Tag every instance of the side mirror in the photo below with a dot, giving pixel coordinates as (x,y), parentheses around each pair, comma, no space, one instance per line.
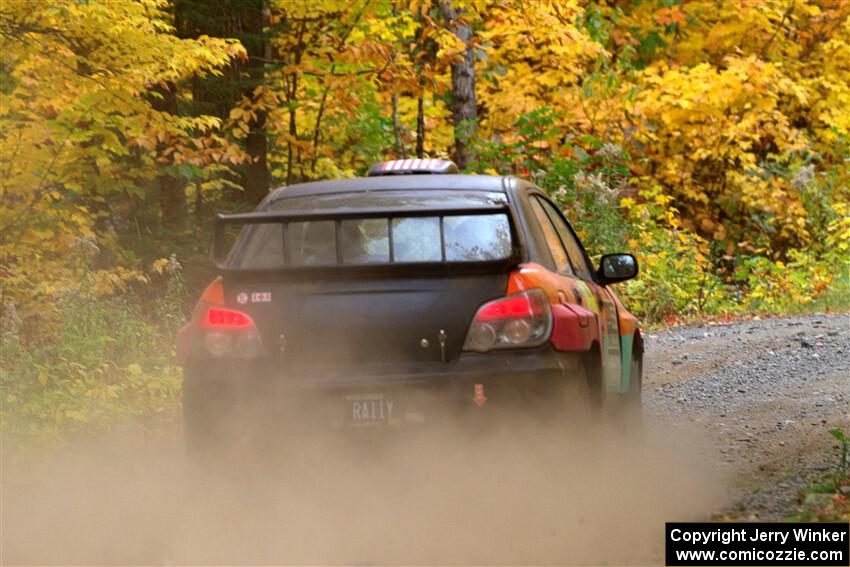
(615,268)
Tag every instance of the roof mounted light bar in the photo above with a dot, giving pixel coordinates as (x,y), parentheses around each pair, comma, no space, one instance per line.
(412,166)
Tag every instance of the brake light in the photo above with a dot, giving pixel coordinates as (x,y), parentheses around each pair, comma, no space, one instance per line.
(227,331)
(220,318)
(514,306)
(521,320)
(230,331)
(221,331)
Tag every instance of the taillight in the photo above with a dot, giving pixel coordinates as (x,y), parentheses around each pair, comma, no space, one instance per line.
(227,332)
(224,332)
(221,318)
(520,320)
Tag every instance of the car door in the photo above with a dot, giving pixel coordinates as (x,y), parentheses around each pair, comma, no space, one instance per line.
(585,290)
(571,289)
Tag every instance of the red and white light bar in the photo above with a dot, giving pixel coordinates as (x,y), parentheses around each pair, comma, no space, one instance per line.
(412,166)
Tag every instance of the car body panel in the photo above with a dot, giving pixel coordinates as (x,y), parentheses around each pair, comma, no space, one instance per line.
(563,289)
(344,321)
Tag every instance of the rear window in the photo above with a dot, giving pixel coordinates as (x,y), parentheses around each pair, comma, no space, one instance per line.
(455,237)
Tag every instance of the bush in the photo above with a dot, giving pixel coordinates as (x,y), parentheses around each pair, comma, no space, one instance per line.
(102,361)
(682,274)
(676,277)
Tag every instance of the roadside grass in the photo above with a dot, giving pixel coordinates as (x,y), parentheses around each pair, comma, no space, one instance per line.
(108,366)
(107,360)
(827,499)
(708,319)
(834,300)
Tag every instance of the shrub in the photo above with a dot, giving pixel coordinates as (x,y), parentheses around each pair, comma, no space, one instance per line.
(104,361)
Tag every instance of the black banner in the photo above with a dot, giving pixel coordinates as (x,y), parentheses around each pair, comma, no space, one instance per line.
(750,543)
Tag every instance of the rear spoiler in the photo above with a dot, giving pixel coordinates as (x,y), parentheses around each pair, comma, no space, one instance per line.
(218,252)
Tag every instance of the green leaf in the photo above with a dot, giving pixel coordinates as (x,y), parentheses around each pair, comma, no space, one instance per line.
(840,435)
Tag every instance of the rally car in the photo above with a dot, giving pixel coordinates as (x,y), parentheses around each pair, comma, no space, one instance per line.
(403,297)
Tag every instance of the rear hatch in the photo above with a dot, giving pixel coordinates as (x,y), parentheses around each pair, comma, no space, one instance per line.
(351,285)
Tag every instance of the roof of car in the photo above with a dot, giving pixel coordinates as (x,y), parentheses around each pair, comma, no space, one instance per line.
(491,183)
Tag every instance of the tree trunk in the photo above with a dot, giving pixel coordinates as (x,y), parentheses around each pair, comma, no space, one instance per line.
(420,125)
(464,113)
(291,90)
(246,21)
(399,145)
(172,190)
(293,135)
(255,177)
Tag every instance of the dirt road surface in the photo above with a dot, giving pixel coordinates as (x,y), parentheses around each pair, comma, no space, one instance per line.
(737,420)
(766,393)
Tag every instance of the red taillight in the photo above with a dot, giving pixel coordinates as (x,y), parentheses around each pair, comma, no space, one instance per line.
(221,318)
(227,332)
(520,305)
(218,332)
(521,320)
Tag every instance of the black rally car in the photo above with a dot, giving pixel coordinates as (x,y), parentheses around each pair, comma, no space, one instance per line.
(381,300)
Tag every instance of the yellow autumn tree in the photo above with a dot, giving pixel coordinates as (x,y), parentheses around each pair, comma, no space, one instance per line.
(81,139)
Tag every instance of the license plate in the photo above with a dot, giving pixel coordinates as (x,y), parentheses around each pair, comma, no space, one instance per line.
(372,409)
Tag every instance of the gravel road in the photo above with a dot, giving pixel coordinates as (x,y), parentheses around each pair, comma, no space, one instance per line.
(765,392)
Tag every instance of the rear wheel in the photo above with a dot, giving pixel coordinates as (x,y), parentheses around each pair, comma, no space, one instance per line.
(636,379)
(634,405)
(592,361)
(575,399)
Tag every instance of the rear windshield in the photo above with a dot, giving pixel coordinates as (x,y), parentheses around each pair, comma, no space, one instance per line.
(376,240)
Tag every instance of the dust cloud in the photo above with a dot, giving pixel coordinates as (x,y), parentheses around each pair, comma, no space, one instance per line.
(514,493)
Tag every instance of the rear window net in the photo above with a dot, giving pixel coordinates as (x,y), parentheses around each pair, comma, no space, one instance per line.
(280,240)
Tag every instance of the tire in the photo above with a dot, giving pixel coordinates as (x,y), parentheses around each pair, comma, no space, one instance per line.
(576,401)
(592,363)
(636,379)
(634,405)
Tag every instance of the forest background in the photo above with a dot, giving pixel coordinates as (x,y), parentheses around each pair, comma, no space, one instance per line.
(710,138)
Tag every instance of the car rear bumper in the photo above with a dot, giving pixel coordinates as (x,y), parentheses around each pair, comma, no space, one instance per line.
(475,382)
(469,366)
